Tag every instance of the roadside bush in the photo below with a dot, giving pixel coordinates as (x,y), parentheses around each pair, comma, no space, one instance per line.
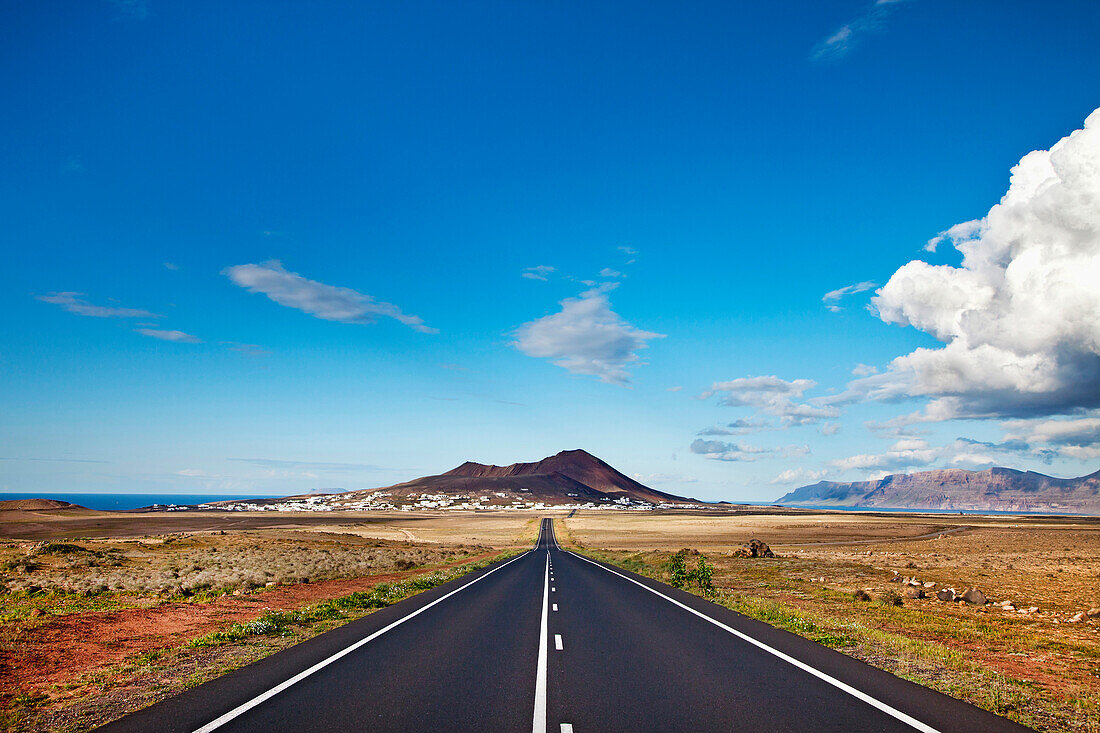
(677,570)
(703,575)
(59,548)
(681,577)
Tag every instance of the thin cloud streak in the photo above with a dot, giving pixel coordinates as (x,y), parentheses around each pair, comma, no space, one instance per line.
(74,303)
(327,302)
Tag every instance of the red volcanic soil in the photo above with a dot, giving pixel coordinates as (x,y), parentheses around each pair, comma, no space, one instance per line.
(70,646)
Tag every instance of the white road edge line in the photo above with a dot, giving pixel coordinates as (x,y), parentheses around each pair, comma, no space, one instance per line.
(893,712)
(264,697)
(538,724)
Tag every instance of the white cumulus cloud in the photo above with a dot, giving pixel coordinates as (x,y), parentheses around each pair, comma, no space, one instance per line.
(1020,317)
(327,302)
(586,337)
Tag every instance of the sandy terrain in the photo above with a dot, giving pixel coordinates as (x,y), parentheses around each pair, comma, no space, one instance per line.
(497,528)
(1038,662)
(110,592)
(74,614)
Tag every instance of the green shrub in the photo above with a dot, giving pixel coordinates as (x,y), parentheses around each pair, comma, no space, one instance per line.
(677,570)
(704,574)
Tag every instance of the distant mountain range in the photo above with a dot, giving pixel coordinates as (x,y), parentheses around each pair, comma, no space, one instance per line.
(997,489)
(569,477)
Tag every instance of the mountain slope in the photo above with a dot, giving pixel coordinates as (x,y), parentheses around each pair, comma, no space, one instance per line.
(578,465)
(998,489)
(569,477)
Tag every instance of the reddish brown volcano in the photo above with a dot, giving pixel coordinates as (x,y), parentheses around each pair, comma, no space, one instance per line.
(572,476)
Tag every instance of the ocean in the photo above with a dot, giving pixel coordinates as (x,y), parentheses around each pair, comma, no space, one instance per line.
(826,507)
(118,502)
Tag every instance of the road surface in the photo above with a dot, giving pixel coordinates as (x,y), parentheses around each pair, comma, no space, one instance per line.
(552,641)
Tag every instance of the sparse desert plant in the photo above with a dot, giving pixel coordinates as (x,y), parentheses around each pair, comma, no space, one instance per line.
(677,570)
(704,574)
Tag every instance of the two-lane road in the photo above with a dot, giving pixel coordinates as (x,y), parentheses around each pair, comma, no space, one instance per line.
(553,641)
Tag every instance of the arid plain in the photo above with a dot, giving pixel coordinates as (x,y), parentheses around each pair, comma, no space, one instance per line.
(106,612)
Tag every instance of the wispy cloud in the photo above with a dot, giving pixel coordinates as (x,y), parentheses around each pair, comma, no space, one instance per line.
(54,460)
(720,450)
(306,465)
(773,396)
(169,335)
(609,273)
(171,266)
(956,235)
(798,476)
(844,38)
(741,426)
(74,303)
(586,337)
(914,453)
(254,350)
(327,302)
(538,272)
(832,298)
(136,9)
(1077,438)
(664,478)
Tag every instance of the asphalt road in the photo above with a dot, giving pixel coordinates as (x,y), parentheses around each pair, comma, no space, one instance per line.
(553,641)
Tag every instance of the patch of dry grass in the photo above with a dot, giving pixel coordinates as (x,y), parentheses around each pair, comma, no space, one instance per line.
(195,564)
(92,699)
(1035,668)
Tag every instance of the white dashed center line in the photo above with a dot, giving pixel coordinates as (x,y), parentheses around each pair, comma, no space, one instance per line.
(555,607)
(557,642)
(566,728)
(539,720)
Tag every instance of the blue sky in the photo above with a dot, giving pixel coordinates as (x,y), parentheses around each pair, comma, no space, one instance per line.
(271,247)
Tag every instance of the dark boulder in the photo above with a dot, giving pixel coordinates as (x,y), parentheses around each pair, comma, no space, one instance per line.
(753,548)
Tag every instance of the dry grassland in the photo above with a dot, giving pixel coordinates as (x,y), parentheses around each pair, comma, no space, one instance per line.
(1038,668)
(91,627)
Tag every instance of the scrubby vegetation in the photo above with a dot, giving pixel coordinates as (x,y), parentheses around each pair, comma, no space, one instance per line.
(680,577)
(201,566)
(382,595)
(947,648)
(92,695)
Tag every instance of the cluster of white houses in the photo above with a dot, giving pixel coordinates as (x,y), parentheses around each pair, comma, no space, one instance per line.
(380,500)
